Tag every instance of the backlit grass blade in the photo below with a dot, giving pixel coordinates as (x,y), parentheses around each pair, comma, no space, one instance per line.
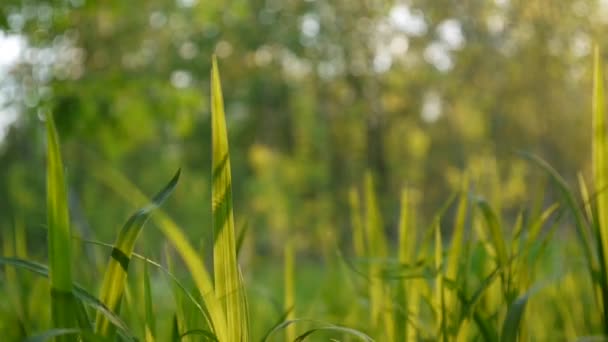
(377,249)
(600,175)
(228,285)
(116,272)
(289,288)
(59,237)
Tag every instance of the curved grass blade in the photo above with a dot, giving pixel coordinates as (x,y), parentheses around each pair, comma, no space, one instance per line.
(168,273)
(208,336)
(323,327)
(50,334)
(54,333)
(212,307)
(116,273)
(78,291)
(228,284)
(280,321)
(579,218)
(63,307)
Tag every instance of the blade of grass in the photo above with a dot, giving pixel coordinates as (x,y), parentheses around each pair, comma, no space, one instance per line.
(228,283)
(600,175)
(113,285)
(323,327)
(377,248)
(289,305)
(176,237)
(59,237)
(150,328)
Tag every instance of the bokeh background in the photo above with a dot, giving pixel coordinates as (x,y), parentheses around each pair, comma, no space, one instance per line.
(317,92)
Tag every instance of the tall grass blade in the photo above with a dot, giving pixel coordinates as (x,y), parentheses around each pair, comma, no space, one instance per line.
(228,283)
(600,175)
(377,249)
(290,298)
(59,237)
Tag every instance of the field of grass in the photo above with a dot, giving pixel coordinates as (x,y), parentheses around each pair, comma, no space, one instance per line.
(537,275)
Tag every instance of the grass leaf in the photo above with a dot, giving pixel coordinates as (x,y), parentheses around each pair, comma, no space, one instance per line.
(228,283)
(116,272)
(63,307)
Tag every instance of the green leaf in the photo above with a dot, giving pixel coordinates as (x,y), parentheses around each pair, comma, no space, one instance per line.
(116,272)
(228,283)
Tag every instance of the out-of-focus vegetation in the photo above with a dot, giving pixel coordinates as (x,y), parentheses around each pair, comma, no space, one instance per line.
(374,159)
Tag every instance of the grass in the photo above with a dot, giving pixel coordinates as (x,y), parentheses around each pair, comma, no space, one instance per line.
(472,272)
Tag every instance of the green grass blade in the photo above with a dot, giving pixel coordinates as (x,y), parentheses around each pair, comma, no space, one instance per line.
(55,333)
(511,324)
(456,248)
(116,272)
(322,327)
(51,334)
(208,336)
(600,174)
(377,249)
(537,225)
(579,217)
(357,226)
(176,237)
(150,328)
(241,238)
(495,229)
(59,237)
(228,283)
(290,300)
(584,192)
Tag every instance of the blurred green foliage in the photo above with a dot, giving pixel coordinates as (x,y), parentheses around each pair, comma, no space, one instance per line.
(316,93)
